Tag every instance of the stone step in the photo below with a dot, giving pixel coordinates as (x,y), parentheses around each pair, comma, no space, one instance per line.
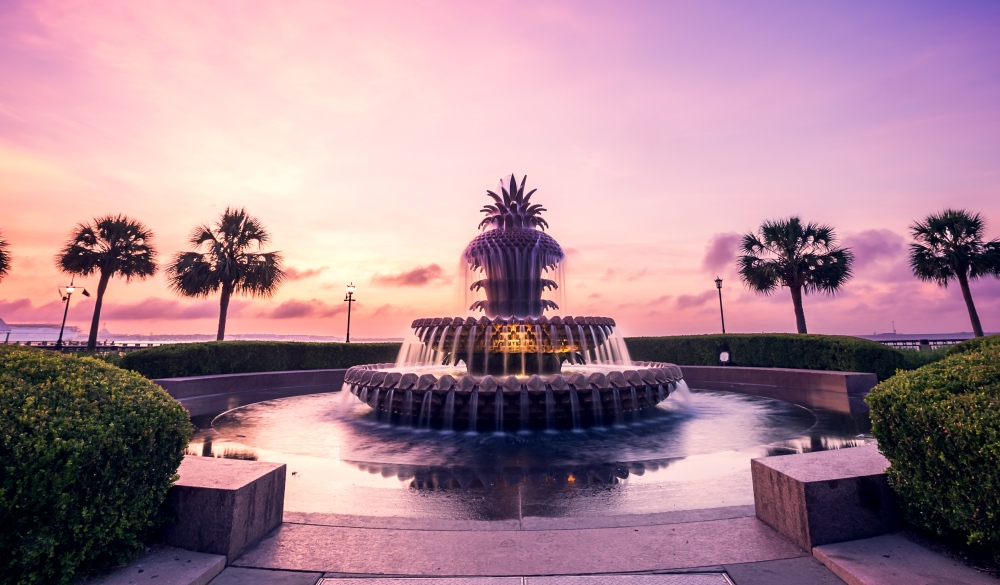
(166,566)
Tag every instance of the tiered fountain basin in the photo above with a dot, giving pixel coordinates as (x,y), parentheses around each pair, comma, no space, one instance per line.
(580,396)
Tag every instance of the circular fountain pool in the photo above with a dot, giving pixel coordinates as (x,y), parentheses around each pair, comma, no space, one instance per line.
(690,452)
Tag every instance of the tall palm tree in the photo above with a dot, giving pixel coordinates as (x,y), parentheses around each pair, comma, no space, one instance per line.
(4,257)
(804,258)
(227,257)
(949,246)
(113,245)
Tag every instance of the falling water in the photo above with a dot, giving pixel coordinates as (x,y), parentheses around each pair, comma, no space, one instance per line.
(574,408)
(424,420)
(408,408)
(387,407)
(449,411)
(375,403)
(454,345)
(471,345)
(619,418)
(683,393)
(524,347)
(473,408)
(659,392)
(598,407)
(538,345)
(583,345)
(635,403)
(440,355)
(524,409)
(364,395)
(569,340)
(498,411)
(550,409)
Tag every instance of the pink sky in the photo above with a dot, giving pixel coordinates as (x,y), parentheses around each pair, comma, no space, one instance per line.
(364,135)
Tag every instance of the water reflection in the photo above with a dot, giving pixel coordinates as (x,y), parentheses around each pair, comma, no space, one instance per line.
(678,456)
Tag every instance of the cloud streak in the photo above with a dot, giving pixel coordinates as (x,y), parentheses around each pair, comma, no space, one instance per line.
(419,276)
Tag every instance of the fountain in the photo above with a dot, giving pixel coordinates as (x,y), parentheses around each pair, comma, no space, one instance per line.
(514,368)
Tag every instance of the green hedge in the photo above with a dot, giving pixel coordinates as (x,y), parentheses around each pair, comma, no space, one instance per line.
(87,453)
(939,426)
(974,344)
(772,350)
(237,357)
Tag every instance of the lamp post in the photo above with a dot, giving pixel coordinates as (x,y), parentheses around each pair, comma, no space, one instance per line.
(718,285)
(69,290)
(349,299)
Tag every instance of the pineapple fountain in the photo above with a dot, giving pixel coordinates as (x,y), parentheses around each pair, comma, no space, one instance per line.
(514,368)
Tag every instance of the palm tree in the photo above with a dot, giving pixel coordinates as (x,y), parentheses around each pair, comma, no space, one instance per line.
(804,258)
(110,246)
(950,246)
(227,257)
(4,258)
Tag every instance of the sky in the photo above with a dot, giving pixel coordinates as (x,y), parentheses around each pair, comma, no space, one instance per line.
(364,136)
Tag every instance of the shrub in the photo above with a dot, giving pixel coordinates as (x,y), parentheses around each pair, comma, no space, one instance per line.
(772,350)
(87,452)
(974,344)
(237,357)
(939,426)
(913,359)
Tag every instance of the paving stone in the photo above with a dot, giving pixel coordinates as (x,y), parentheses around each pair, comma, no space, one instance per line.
(242,576)
(676,517)
(420,581)
(166,566)
(797,571)
(358,551)
(659,579)
(894,560)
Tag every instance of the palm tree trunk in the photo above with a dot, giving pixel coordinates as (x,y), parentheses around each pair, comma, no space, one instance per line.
(963,281)
(101,287)
(223,310)
(800,316)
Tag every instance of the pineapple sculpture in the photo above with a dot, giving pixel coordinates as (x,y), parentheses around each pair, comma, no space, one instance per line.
(513,253)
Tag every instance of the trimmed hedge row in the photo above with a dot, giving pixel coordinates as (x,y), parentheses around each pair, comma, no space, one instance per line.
(772,350)
(974,344)
(939,426)
(238,357)
(87,453)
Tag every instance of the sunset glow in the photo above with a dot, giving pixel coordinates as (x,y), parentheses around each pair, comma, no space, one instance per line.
(364,135)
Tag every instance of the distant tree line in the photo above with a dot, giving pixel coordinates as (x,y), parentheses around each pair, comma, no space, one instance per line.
(228,258)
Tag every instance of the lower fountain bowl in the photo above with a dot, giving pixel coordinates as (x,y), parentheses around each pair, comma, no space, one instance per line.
(581,396)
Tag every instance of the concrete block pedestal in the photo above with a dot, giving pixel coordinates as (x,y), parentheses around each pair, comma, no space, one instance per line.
(225,506)
(825,497)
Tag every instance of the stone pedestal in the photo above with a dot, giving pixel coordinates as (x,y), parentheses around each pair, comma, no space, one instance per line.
(225,506)
(825,497)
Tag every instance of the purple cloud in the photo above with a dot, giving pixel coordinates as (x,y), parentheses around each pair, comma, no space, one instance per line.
(419,276)
(296,309)
(691,301)
(721,251)
(296,274)
(873,245)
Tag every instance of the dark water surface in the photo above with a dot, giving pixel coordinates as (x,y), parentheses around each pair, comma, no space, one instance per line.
(693,451)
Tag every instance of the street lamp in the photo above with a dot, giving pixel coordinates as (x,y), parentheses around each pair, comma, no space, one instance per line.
(69,290)
(349,299)
(718,285)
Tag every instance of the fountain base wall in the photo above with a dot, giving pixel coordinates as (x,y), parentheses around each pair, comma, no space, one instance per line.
(484,403)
